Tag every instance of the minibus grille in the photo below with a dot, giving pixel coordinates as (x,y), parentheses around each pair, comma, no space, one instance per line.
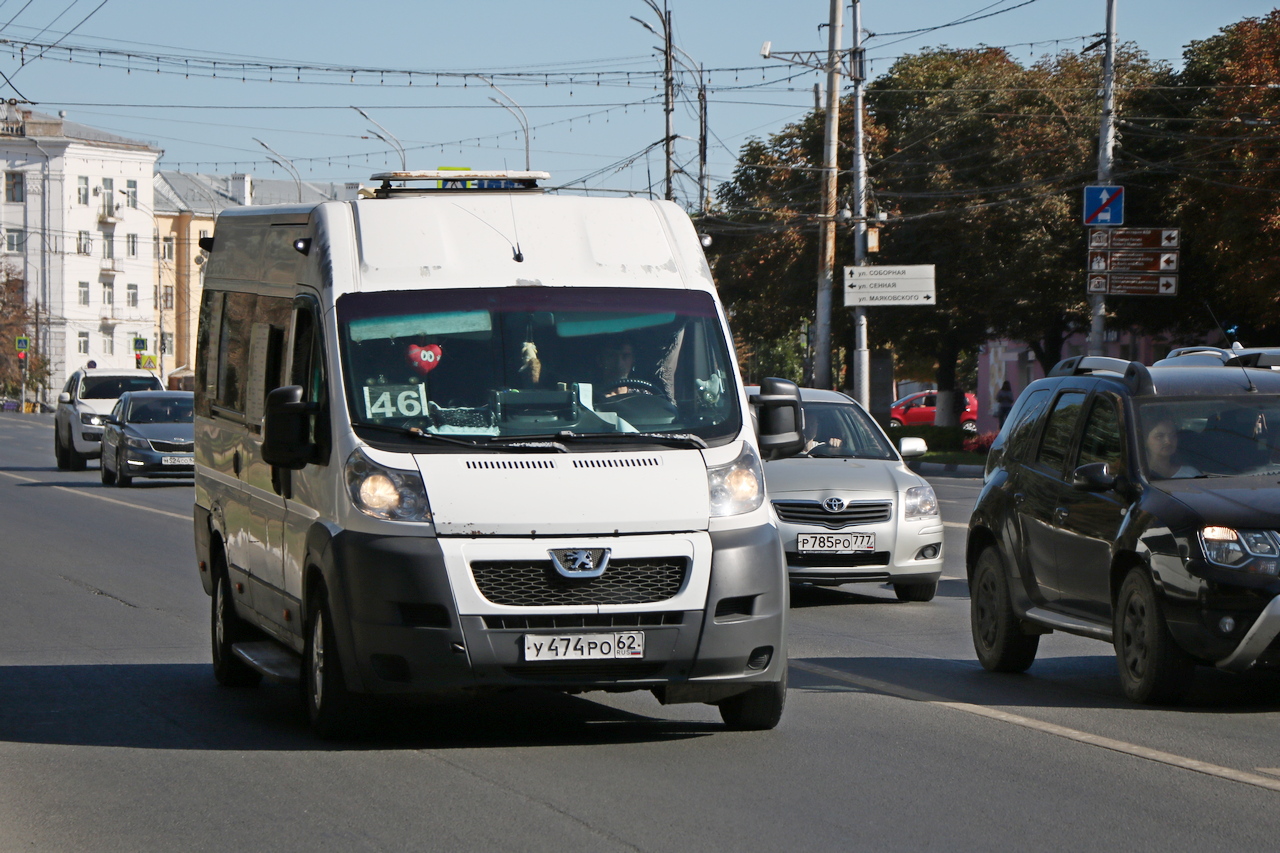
(535,583)
(813,512)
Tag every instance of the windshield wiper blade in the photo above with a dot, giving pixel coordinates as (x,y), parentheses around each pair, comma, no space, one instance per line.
(415,432)
(671,439)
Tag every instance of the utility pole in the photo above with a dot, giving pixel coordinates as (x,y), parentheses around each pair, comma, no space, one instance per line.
(1106,149)
(669,102)
(861,352)
(832,65)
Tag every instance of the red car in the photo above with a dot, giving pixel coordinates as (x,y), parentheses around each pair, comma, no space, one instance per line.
(919,408)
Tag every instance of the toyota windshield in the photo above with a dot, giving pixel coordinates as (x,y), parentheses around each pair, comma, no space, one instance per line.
(491,366)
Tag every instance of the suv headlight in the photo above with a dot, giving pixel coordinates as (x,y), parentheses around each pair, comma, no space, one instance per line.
(383,492)
(1256,551)
(737,487)
(91,419)
(919,502)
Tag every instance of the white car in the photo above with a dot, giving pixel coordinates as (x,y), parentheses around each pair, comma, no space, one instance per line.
(849,509)
(86,399)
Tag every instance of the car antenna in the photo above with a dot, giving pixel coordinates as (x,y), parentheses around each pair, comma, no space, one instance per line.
(1235,346)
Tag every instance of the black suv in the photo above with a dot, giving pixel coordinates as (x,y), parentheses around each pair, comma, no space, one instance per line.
(1137,506)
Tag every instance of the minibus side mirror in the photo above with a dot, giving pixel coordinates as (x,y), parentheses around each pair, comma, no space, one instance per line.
(286,439)
(779,417)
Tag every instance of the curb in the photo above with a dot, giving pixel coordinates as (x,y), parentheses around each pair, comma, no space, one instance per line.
(938,469)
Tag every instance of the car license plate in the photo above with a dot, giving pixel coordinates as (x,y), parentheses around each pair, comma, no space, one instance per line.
(175,460)
(624,644)
(835,543)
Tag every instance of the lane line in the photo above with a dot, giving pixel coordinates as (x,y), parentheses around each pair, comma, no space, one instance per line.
(100,497)
(1043,727)
(955,524)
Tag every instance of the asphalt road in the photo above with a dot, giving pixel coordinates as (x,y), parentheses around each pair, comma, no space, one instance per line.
(114,736)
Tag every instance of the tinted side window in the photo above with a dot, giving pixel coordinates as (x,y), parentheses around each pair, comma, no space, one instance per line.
(207,336)
(1101,441)
(1059,429)
(1022,426)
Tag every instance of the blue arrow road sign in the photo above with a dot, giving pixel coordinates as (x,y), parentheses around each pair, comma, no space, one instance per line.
(1104,205)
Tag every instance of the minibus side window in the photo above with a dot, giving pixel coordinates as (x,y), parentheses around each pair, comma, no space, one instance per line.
(308,372)
(234,342)
(207,337)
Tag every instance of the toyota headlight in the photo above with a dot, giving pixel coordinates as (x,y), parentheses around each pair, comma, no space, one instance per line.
(383,492)
(919,502)
(737,487)
(1256,551)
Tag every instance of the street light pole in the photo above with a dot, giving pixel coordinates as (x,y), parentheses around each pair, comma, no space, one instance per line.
(827,216)
(280,160)
(393,141)
(1106,150)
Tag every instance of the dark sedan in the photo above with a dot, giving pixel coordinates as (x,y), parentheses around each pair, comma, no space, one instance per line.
(149,434)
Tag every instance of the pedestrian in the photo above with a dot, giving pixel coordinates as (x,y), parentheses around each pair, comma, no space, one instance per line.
(1004,401)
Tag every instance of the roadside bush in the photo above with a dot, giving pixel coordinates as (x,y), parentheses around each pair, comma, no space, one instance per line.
(979,443)
(938,438)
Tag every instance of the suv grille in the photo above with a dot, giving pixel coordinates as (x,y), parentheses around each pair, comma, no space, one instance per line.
(534,583)
(173,446)
(811,512)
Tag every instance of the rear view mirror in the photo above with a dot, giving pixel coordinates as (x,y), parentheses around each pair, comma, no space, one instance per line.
(780,419)
(286,429)
(912,447)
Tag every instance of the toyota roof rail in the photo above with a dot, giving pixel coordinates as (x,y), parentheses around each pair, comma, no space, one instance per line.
(1134,374)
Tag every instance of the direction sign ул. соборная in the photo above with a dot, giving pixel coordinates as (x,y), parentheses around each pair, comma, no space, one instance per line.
(911,285)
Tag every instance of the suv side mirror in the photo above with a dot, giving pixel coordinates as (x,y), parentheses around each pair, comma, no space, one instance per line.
(912,446)
(780,418)
(1094,477)
(64,397)
(286,425)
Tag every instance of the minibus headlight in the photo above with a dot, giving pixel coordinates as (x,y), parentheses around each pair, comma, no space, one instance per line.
(382,492)
(737,487)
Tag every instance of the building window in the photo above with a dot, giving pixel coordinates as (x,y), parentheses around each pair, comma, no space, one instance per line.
(203,234)
(14,239)
(14,184)
(84,243)
(82,190)
(131,245)
(131,190)
(108,246)
(108,343)
(108,293)
(84,293)
(131,295)
(166,249)
(166,342)
(82,344)
(168,298)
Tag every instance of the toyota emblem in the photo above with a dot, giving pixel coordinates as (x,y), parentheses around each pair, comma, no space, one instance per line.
(833,504)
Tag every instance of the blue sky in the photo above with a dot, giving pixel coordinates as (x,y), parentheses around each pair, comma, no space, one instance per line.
(204,81)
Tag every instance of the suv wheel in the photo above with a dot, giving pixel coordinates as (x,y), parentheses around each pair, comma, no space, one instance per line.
(1153,668)
(997,632)
(60,451)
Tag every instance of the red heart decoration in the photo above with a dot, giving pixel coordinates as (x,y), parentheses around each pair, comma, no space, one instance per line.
(424,359)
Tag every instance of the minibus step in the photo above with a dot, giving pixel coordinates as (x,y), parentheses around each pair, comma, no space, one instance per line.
(271,659)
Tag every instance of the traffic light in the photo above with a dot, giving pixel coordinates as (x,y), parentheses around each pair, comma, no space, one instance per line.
(137,360)
(22,360)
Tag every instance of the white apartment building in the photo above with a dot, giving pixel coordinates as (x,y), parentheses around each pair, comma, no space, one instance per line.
(79,225)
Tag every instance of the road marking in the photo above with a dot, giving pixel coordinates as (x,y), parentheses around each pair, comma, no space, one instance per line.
(101,497)
(954,524)
(1076,735)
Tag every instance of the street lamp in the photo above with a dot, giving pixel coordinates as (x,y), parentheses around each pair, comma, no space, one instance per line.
(280,160)
(518,112)
(393,142)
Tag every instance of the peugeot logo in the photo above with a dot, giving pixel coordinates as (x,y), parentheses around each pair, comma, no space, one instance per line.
(580,562)
(833,504)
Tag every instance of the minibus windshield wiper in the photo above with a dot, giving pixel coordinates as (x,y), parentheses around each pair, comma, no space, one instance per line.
(671,439)
(415,432)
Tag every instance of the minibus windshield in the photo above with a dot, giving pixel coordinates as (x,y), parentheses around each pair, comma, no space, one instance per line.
(490,363)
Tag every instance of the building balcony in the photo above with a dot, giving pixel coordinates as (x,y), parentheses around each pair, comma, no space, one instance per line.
(109,213)
(111,266)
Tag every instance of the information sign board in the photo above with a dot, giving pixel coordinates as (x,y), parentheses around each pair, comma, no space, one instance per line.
(910,285)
